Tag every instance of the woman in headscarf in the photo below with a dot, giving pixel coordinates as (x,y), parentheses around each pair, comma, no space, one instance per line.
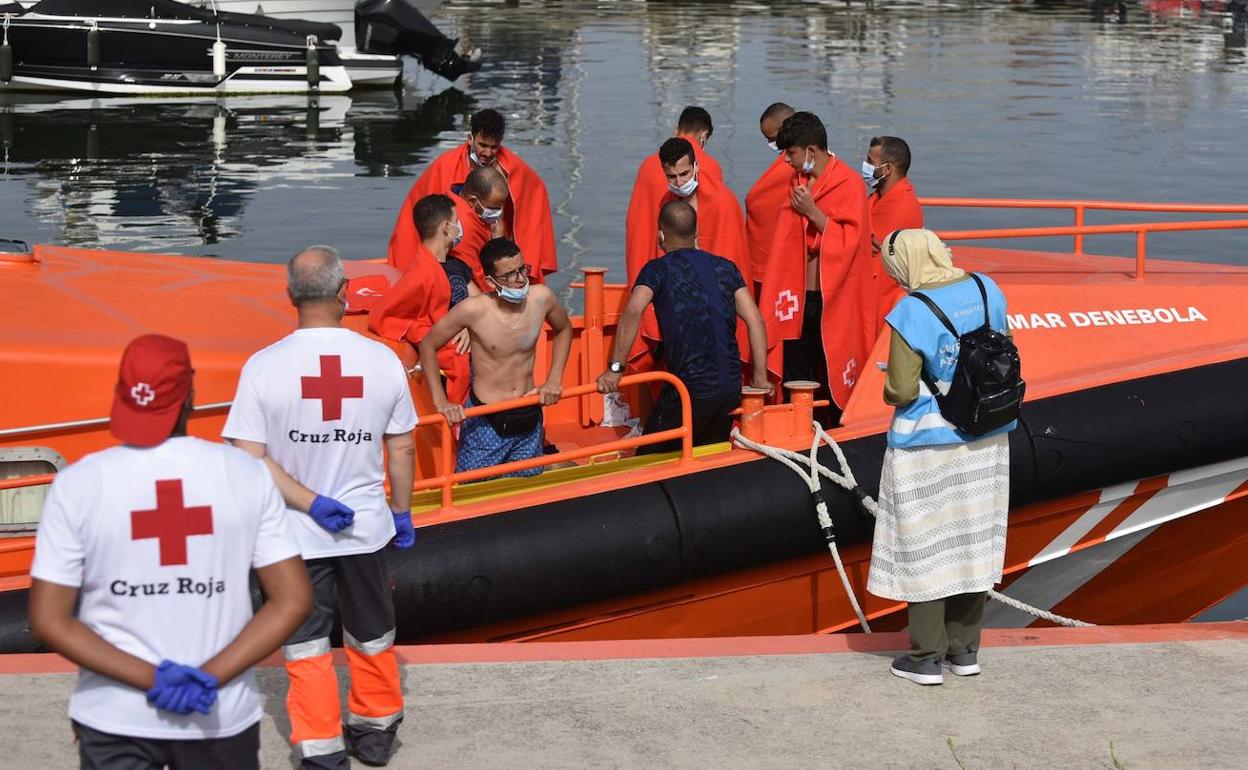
(944,495)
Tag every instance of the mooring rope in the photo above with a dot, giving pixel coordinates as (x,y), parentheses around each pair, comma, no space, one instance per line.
(810,470)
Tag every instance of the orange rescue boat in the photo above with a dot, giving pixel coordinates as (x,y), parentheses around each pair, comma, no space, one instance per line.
(1129,471)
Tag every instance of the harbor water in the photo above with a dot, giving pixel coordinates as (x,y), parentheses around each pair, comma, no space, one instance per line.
(1133,100)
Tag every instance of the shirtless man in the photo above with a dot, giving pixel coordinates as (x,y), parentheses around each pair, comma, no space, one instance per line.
(504,326)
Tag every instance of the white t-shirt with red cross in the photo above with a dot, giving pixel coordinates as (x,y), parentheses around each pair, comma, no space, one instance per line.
(160,542)
(321,400)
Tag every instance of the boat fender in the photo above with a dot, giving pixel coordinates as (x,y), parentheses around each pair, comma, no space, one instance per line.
(93,47)
(6,53)
(314,64)
(218,58)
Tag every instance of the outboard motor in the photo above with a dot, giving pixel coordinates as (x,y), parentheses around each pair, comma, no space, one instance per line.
(397,28)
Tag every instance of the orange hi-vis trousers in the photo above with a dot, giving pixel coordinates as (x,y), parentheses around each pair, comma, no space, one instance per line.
(359,586)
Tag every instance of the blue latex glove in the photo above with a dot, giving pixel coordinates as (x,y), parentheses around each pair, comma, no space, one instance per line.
(404,532)
(332,515)
(182,689)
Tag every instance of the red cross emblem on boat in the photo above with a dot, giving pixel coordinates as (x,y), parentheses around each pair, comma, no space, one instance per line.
(332,388)
(171,522)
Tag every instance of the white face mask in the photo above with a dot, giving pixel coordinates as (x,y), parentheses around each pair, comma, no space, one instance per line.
(688,188)
(489,216)
(772,146)
(472,156)
(808,166)
(455,239)
(869,177)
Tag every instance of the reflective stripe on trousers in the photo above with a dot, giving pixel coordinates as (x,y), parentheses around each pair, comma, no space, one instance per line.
(319,747)
(376,696)
(312,701)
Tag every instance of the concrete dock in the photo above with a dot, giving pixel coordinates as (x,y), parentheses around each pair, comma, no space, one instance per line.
(1161,696)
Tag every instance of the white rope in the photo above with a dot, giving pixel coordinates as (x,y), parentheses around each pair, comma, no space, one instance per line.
(810,469)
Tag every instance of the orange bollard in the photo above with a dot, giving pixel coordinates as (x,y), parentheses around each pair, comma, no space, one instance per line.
(595,281)
(593,354)
(753,420)
(802,401)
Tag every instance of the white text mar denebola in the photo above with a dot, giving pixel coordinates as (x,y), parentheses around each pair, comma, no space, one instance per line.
(1080,319)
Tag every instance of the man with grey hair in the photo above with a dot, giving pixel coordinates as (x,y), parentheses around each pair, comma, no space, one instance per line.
(317,407)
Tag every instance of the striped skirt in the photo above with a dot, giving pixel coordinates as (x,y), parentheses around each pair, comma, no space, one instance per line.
(941,530)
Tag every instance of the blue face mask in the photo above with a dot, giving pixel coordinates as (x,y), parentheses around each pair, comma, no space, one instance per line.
(772,146)
(688,188)
(513,295)
(869,177)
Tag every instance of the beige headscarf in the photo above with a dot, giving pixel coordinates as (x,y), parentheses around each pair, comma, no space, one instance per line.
(917,257)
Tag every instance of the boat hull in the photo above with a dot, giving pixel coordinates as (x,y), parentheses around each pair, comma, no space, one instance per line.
(164,57)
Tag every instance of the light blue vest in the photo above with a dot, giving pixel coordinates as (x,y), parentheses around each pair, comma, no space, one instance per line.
(920,423)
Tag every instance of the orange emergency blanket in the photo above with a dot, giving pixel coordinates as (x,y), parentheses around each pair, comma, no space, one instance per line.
(897,210)
(721,231)
(410,308)
(762,211)
(527,212)
(846,278)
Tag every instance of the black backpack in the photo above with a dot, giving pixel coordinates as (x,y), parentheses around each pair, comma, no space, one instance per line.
(987,388)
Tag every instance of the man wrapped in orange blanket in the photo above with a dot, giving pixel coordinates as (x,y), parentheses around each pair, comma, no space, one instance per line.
(435,281)
(894,206)
(819,295)
(768,195)
(682,176)
(525,217)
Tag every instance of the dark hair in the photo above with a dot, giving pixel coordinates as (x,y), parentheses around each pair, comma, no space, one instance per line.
(693,120)
(674,149)
(488,123)
(679,219)
(893,149)
(494,250)
(776,111)
(483,182)
(430,212)
(802,129)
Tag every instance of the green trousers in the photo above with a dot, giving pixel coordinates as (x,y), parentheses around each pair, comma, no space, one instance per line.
(948,626)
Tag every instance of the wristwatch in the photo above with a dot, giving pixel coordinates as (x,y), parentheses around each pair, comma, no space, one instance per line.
(615,367)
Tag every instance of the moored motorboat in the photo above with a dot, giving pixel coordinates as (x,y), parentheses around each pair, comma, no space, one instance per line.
(161,47)
(1129,473)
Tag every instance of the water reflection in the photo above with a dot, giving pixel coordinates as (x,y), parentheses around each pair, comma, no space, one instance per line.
(1090,98)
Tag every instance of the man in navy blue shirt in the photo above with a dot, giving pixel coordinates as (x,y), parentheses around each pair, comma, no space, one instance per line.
(697,297)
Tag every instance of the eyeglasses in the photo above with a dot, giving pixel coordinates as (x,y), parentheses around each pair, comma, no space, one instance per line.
(519,274)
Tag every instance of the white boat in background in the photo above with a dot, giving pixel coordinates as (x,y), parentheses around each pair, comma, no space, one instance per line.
(364,69)
(371,59)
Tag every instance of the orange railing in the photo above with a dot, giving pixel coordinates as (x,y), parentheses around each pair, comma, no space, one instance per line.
(447,481)
(1080,229)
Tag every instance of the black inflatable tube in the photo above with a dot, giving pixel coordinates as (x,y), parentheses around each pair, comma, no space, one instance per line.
(627,541)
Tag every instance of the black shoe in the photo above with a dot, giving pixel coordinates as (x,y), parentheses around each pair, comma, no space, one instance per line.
(373,747)
(926,671)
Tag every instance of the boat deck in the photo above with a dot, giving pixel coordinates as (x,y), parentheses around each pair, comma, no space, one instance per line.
(1163,696)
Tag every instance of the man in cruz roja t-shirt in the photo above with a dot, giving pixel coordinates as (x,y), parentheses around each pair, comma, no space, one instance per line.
(156,538)
(697,298)
(317,406)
